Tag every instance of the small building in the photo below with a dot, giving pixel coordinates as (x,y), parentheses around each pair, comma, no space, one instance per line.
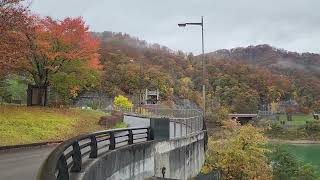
(291,105)
(151,97)
(37,95)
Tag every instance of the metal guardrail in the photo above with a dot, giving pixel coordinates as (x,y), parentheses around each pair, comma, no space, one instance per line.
(186,126)
(68,156)
(162,112)
(183,121)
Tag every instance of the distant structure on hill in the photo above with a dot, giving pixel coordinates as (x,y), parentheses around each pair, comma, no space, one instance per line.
(151,97)
(290,104)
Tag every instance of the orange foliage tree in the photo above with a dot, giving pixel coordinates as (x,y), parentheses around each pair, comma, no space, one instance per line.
(53,43)
(13,25)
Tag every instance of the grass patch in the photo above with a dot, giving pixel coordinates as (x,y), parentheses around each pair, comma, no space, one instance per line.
(120,125)
(292,130)
(297,119)
(21,125)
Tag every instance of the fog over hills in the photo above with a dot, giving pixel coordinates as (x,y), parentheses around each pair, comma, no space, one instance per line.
(271,57)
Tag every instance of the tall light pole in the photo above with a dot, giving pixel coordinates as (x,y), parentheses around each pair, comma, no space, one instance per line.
(203,61)
(140,80)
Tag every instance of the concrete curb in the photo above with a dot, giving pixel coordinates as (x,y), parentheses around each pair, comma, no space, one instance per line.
(26,146)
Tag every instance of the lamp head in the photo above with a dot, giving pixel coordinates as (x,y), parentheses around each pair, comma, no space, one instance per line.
(182,25)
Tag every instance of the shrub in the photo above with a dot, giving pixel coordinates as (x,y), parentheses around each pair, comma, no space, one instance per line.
(304,110)
(276,127)
(313,126)
(122,103)
(290,110)
(111,121)
(120,125)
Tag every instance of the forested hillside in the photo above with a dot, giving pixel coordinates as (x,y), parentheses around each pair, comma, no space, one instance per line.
(301,69)
(236,82)
(241,80)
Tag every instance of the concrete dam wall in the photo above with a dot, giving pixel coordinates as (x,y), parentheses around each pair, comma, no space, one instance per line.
(180,158)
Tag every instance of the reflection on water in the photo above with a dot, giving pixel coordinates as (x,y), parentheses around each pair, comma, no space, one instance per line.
(309,153)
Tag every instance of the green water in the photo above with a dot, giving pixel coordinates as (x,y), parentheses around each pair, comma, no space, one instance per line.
(309,153)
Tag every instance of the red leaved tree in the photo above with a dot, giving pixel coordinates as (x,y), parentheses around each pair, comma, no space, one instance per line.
(54,43)
(14,24)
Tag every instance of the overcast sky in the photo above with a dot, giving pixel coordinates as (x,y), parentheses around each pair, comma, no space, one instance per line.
(289,24)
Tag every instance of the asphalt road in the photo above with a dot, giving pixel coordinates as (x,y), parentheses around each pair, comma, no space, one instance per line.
(22,164)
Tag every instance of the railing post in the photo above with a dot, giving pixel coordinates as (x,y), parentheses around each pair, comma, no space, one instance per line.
(174,129)
(199,124)
(76,157)
(181,124)
(191,125)
(94,147)
(130,137)
(186,124)
(150,134)
(62,167)
(195,125)
(112,140)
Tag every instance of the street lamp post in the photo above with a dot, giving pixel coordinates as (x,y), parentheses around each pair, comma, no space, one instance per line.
(140,81)
(203,61)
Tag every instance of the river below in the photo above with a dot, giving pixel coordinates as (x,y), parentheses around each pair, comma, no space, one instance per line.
(309,153)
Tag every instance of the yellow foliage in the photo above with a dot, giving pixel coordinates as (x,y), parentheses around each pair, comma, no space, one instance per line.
(74,91)
(241,156)
(186,81)
(274,107)
(122,103)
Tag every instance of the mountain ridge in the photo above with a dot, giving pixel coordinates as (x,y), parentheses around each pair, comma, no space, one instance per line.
(271,57)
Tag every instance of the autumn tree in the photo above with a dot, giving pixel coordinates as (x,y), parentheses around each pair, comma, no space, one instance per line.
(74,78)
(241,156)
(185,87)
(55,43)
(216,112)
(14,24)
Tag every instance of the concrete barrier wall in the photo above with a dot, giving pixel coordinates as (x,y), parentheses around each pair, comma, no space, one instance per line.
(182,158)
(136,121)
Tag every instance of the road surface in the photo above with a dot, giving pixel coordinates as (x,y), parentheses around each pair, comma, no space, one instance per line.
(22,164)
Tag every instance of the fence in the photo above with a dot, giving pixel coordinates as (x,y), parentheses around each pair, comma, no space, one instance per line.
(265,113)
(162,112)
(68,156)
(180,127)
(182,122)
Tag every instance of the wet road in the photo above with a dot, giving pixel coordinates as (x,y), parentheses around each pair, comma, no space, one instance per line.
(22,164)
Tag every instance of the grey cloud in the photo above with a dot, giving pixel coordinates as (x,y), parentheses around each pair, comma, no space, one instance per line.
(288,24)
